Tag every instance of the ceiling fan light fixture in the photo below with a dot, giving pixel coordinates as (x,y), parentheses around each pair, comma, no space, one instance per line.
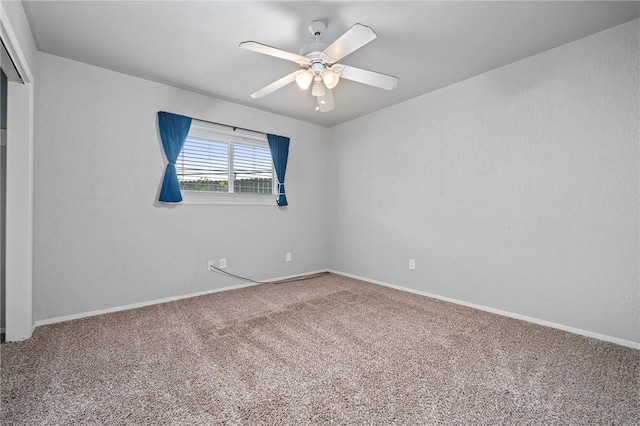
(330,78)
(304,79)
(318,88)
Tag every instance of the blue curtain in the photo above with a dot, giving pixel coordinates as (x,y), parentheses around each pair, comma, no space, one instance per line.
(279,146)
(173,132)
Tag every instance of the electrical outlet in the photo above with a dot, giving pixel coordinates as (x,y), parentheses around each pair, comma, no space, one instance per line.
(211,265)
(287,257)
(223,263)
(412,264)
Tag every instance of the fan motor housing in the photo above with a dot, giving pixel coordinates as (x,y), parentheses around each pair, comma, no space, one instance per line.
(312,48)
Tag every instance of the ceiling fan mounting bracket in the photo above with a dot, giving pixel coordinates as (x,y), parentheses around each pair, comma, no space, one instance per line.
(317,28)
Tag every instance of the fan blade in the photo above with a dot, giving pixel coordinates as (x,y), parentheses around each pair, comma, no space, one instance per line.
(376,79)
(355,37)
(254,46)
(278,84)
(326,102)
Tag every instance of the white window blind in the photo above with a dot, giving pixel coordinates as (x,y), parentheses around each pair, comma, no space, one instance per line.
(252,169)
(203,165)
(219,161)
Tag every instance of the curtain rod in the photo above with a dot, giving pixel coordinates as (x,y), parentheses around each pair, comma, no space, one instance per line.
(232,127)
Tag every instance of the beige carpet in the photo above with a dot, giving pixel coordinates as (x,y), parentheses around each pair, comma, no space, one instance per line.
(331,350)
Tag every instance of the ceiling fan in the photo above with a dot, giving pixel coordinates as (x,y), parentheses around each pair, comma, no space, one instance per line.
(320,69)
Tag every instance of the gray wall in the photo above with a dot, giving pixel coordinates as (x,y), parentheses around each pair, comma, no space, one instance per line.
(515,190)
(101,241)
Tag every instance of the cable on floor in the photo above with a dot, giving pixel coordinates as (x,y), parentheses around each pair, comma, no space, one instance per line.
(287,280)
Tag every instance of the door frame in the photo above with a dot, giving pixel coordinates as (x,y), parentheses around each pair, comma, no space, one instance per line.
(18,254)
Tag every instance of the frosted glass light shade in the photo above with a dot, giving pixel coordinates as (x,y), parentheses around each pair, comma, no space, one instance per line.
(330,78)
(304,79)
(318,88)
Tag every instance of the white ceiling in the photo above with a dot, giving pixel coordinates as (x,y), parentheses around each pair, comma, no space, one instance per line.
(428,45)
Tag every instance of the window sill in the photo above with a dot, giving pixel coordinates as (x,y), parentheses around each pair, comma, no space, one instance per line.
(237,199)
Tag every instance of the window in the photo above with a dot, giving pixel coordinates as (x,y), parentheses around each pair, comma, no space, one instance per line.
(220,166)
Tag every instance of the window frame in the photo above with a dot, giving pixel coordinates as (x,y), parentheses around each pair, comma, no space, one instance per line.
(218,133)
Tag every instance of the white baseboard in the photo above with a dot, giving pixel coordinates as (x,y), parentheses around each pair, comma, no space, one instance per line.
(598,336)
(164,300)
